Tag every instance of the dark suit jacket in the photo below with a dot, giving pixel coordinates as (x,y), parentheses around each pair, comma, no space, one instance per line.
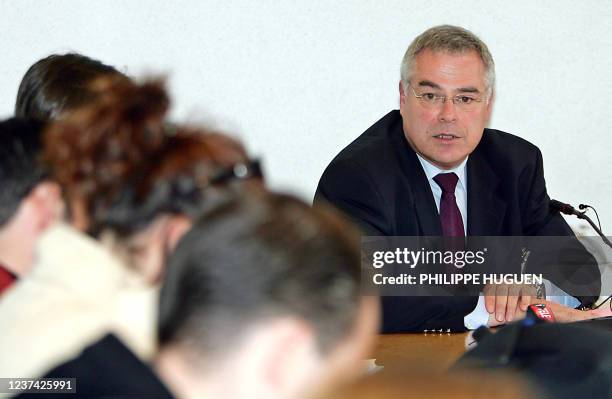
(378,182)
(108,369)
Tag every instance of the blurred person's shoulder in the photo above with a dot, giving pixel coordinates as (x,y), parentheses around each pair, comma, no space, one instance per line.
(108,368)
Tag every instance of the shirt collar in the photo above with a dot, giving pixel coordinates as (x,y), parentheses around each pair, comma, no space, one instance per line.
(431,170)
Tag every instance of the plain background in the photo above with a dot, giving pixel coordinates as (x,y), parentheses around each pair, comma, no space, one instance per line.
(297,81)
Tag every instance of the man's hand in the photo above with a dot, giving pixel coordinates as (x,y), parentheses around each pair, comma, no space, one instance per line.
(504,301)
(562,313)
(604,310)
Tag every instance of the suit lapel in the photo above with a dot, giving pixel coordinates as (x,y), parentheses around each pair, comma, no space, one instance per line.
(485,208)
(423,204)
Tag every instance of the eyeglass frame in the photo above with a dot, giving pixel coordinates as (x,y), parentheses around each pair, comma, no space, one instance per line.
(240,171)
(440,100)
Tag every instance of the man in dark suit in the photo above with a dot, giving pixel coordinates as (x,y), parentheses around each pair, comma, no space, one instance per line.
(433,169)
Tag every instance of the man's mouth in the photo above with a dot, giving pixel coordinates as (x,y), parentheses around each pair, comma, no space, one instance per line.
(446,136)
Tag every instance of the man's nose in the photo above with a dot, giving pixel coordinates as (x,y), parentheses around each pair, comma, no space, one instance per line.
(448,113)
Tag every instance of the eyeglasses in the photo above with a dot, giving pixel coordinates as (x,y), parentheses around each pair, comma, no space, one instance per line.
(464,102)
(240,171)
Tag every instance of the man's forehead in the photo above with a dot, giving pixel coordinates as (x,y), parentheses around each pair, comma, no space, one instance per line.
(449,70)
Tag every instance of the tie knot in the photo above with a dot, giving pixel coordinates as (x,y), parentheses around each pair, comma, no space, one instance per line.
(447,182)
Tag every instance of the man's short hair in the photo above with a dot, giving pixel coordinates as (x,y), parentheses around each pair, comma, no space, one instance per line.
(58,83)
(257,257)
(20,166)
(450,39)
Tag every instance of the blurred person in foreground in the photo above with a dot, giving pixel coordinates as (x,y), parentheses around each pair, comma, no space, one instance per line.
(29,200)
(60,83)
(261,299)
(131,184)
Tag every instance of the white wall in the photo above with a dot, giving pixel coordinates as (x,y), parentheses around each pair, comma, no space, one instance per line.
(297,81)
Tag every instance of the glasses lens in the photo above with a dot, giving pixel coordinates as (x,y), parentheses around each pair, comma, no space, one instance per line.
(429,99)
(465,102)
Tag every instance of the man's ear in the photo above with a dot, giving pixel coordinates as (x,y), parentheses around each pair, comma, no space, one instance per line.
(402,92)
(289,356)
(46,201)
(176,227)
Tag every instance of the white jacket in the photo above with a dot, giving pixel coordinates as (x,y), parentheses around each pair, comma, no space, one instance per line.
(77,292)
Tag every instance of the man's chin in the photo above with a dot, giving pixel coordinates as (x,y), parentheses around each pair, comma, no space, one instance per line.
(446,162)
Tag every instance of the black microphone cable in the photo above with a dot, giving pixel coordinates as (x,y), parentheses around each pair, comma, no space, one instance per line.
(608,299)
(582,207)
(586,207)
(558,206)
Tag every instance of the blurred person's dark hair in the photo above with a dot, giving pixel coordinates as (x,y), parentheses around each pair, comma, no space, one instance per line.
(254,258)
(59,83)
(21,168)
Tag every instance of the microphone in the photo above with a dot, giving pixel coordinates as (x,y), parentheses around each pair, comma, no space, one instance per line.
(562,207)
(558,206)
(536,314)
(540,312)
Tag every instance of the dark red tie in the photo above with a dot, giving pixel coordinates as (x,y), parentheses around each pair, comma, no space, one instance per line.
(450,216)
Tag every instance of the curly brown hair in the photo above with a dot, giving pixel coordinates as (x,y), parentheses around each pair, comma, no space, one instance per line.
(126,165)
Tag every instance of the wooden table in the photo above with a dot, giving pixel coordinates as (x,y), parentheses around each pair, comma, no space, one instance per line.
(439,349)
